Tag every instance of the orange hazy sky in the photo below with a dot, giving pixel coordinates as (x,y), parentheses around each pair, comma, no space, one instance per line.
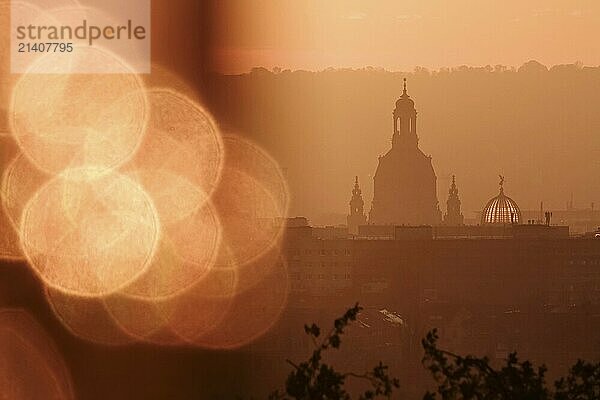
(402,34)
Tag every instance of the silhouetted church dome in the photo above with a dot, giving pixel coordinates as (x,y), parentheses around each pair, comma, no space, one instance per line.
(405,102)
(501,209)
(404,185)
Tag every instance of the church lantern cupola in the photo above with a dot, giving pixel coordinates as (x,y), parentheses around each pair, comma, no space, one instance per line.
(405,120)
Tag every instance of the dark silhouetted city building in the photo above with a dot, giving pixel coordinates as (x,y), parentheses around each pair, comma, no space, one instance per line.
(488,289)
(405,182)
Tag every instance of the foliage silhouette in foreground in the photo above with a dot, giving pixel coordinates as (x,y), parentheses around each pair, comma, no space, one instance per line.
(467,377)
(314,379)
(457,377)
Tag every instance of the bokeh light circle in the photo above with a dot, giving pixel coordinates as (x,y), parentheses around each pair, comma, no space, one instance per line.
(252,313)
(183,145)
(30,366)
(186,253)
(249,216)
(89,232)
(253,160)
(65,121)
(87,318)
(10,246)
(20,181)
(201,308)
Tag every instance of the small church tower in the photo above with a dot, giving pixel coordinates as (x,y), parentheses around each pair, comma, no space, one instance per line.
(453,214)
(357,215)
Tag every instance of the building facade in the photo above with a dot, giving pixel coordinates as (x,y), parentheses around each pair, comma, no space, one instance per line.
(489,290)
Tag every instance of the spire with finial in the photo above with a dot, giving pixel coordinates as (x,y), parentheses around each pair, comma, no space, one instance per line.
(501,183)
(356,192)
(453,214)
(453,189)
(357,215)
(405,120)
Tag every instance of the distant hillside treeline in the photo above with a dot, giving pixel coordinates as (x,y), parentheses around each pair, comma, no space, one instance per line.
(539,127)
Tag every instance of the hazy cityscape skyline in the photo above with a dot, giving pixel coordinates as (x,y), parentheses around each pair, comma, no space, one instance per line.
(326,127)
